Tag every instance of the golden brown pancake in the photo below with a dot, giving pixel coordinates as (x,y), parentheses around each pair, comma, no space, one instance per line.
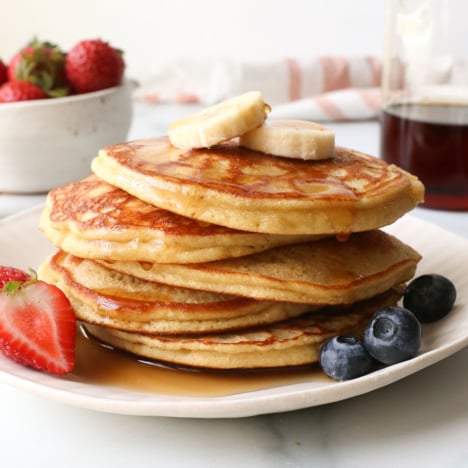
(92,219)
(326,271)
(295,342)
(242,189)
(111,299)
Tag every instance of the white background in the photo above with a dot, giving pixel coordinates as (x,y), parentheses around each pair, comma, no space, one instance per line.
(154,31)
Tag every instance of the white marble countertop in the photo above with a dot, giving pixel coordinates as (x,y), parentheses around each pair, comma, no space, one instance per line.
(420,421)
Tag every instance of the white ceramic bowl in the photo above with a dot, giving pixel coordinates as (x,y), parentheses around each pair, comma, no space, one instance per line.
(49,142)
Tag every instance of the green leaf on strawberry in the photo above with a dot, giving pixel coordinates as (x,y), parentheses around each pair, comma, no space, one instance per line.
(41,64)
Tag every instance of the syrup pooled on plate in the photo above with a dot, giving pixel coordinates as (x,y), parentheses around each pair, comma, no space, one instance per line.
(101,365)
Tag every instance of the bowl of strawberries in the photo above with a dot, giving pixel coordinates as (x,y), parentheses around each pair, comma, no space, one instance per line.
(57,109)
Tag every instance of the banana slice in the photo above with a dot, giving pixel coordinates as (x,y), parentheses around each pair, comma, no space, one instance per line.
(298,139)
(221,122)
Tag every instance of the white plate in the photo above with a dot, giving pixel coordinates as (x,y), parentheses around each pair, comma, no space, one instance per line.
(22,245)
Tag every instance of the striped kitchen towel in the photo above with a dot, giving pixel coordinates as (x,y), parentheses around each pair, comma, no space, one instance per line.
(323,88)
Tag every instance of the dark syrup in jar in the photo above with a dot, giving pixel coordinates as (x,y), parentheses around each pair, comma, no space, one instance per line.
(430,140)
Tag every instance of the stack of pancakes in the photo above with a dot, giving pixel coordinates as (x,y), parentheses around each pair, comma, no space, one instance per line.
(228,258)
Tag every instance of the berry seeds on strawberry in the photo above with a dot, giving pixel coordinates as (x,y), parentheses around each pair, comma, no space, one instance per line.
(14,91)
(9,274)
(92,65)
(37,323)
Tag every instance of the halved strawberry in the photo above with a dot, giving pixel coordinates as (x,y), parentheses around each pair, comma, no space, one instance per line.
(37,326)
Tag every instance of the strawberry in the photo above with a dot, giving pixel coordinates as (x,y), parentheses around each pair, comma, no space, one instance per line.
(37,326)
(8,274)
(13,91)
(92,65)
(3,72)
(42,64)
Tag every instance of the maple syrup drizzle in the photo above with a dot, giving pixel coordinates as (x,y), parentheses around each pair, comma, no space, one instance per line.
(99,364)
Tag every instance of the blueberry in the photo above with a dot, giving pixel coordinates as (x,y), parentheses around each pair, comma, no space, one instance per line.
(344,357)
(393,335)
(430,297)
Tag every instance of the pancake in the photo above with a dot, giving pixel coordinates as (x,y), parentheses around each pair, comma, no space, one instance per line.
(326,271)
(243,189)
(105,297)
(291,343)
(92,219)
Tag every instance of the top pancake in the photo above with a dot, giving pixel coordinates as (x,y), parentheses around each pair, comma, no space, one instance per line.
(93,219)
(242,189)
